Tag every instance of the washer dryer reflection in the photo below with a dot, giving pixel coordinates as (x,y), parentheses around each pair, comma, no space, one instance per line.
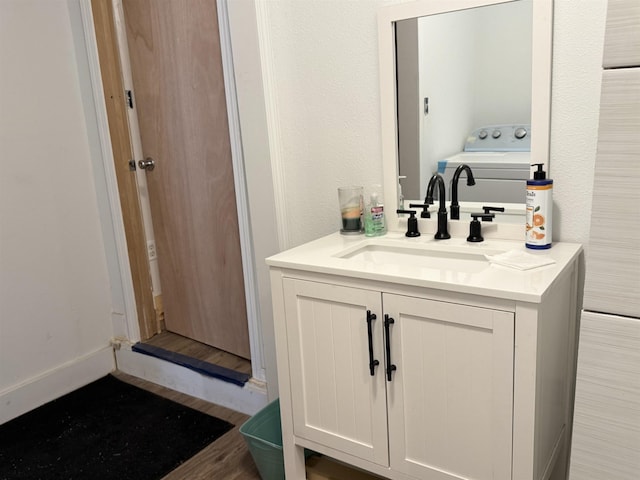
(499,156)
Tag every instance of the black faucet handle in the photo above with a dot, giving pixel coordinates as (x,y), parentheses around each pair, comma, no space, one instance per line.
(487,211)
(475,227)
(425,209)
(412,223)
(483,216)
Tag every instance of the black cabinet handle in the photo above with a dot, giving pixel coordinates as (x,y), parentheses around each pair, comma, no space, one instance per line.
(372,362)
(390,367)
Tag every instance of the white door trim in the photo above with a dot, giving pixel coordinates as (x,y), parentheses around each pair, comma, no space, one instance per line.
(136,144)
(128,327)
(237,157)
(273,125)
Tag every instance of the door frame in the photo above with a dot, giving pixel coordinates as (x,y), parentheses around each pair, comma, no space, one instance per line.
(123,198)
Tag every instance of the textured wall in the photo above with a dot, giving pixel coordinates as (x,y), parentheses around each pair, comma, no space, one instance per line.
(55,298)
(578,37)
(324,62)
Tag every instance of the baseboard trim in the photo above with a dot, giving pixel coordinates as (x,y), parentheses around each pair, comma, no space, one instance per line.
(247,399)
(37,391)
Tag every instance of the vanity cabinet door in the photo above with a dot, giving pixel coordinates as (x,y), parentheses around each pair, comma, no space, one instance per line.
(336,401)
(450,399)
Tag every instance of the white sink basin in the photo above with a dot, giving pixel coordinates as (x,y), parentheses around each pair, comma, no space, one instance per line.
(457,258)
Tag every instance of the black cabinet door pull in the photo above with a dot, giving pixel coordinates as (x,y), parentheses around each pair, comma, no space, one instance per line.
(390,366)
(372,362)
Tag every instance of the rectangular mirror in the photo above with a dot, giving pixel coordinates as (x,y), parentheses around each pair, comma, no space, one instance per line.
(455,75)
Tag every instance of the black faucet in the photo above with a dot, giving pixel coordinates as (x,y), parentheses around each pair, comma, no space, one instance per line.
(442,233)
(455,206)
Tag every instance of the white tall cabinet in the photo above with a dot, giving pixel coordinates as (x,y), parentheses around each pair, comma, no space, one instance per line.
(606,436)
(411,378)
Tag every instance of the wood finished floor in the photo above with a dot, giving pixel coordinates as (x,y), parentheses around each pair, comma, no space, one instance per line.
(227,458)
(200,351)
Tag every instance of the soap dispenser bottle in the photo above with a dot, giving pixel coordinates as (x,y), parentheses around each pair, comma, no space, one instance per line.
(374,219)
(539,210)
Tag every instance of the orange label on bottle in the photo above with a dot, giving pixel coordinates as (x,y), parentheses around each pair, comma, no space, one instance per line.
(540,187)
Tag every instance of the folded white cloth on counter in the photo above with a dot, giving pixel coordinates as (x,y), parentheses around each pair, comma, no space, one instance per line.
(520,260)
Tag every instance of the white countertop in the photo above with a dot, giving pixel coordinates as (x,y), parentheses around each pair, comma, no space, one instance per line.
(329,255)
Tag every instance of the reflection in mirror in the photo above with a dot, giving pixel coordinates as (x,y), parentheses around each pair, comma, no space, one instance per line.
(449,70)
(457,72)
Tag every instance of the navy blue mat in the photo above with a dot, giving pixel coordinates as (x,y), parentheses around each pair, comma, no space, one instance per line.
(106,430)
(199,366)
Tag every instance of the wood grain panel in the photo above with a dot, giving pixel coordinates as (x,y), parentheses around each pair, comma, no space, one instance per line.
(622,37)
(179,89)
(121,145)
(606,432)
(612,282)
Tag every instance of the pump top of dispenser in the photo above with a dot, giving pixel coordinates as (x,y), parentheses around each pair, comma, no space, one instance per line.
(539,174)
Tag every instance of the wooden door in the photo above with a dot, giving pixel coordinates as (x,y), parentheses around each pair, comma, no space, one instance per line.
(450,398)
(180,100)
(336,401)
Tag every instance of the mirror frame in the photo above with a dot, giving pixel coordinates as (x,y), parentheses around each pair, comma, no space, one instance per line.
(542,42)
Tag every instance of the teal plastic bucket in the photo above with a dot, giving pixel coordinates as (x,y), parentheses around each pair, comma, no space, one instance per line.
(263,434)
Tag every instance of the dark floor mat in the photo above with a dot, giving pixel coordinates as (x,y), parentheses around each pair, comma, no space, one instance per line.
(105,430)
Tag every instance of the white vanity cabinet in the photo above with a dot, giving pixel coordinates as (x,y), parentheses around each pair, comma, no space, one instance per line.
(447,403)
(480,384)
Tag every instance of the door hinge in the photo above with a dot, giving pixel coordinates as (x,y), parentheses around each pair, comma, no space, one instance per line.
(132,165)
(129,98)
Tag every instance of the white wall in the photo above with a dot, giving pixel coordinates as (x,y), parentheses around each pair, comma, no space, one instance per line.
(503,91)
(324,65)
(445,42)
(323,61)
(578,37)
(56,301)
